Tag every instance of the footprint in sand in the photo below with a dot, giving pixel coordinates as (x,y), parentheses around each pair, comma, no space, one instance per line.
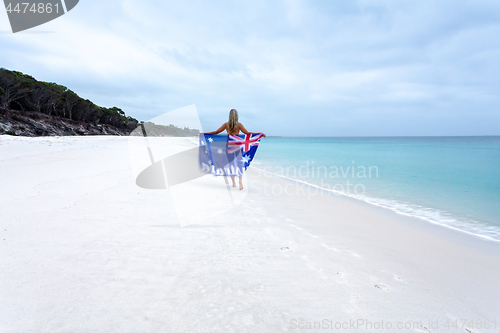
(340,274)
(285,248)
(423,329)
(381,287)
(399,279)
(313,266)
(352,298)
(318,269)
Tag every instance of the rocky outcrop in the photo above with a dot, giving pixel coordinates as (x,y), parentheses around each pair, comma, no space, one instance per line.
(32,123)
(33,108)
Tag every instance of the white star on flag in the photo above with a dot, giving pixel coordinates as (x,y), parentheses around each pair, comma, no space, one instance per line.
(220,151)
(210,140)
(245,159)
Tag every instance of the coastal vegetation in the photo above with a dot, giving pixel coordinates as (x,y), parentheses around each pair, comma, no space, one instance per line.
(22,96)
(29,107)
(152,129)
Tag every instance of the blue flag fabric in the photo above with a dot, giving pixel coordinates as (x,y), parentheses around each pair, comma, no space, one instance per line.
(227,155)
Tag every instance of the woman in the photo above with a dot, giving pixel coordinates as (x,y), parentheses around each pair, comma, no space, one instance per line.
(233,127)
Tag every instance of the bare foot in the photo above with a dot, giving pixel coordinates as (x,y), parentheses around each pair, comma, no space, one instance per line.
(234,184)
(241,186)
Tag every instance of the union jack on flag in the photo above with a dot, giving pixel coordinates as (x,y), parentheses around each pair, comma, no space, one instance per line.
(235,142)
(227,155)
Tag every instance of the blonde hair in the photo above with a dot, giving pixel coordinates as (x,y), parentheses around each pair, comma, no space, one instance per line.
(232,124)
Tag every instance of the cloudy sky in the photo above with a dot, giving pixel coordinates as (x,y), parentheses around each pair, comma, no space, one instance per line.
(291,68)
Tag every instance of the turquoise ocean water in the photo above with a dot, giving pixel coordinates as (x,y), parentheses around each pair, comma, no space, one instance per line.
(453,181)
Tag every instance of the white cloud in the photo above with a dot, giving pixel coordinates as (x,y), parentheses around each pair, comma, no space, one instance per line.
(291,63)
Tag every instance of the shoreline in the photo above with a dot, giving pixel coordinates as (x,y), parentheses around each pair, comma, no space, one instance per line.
(464,264)
(370,201)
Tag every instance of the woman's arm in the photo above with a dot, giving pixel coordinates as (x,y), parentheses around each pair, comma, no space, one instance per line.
(244,131)
(222,128)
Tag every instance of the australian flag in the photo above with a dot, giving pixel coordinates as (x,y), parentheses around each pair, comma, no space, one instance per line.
(227,155)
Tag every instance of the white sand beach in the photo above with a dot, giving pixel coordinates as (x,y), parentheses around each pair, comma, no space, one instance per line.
(84,249)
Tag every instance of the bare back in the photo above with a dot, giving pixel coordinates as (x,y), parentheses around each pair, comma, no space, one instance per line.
(236,130)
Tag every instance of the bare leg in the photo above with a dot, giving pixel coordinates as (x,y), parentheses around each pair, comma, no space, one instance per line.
(241,182)
(234,182)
